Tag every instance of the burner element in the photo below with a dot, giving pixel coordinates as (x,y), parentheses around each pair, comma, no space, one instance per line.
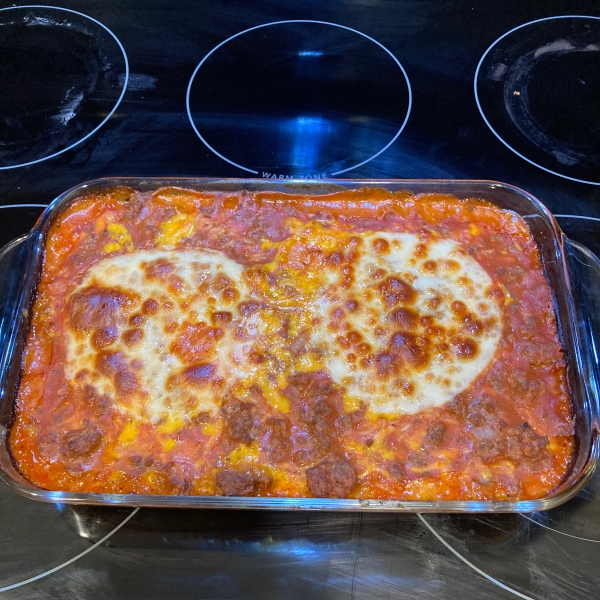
(537,88)
(62,74)
(299,99)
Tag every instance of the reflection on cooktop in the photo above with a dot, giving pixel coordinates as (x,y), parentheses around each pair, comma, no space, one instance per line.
(347,98)
(17,220)
(537,88)
(62,75)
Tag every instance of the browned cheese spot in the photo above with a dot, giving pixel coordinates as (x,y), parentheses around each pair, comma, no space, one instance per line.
(381,246)
(196,342)
(176,284)
(247,308)
(407,348)
(98,308)
(352,306)
(394,291)
(464,348)
(126,384)
(222,282)
(433,303)
(150,306)
(405,319)
(335,259)
(421,251)
(131,337)
(230,295)
(115,366)
(452,265)
(221,318)
(430,266)
(458,308)
(406,387)
(108,363)
(200,375)
(337,319)
(136,320)
(471,325)
(158,269)
(104,337)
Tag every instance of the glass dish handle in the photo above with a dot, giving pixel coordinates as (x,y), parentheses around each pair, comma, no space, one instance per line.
(14,304)
(584,270)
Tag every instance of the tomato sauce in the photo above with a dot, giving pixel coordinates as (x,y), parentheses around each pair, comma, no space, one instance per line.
(508,436)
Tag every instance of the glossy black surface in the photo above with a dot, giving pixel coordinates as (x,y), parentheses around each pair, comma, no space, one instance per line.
(218,554)
(299,98)
(538,89)
(61,73)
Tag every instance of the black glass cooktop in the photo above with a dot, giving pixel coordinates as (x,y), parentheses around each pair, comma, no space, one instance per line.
(352,88)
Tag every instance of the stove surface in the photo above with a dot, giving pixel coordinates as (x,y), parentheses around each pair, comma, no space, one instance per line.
(363,88)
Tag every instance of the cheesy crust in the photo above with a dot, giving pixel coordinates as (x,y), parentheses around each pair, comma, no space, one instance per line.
(363,344)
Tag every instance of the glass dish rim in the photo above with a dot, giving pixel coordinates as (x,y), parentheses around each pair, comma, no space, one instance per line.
(20,485)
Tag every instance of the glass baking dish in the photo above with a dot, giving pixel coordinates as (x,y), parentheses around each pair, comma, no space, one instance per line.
(571,269)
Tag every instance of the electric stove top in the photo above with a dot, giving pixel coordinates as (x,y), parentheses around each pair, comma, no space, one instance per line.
(351,88)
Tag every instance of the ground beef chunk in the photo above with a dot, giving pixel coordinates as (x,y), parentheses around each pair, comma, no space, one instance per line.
(100,403)
(239,420)
(416,460)
(311,387)
(331,478)
(476,419)
(279,444)
(200,418)
(343,422)
(135,204)
(318,400)
(317,437)
(523,441)
(490,450)
(456,407)
(435,434)
(519,443)
(397,472)
(81,442)
(540,355)
(241,483)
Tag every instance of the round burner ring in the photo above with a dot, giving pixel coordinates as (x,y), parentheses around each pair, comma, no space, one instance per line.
(487,122)
(189,88)
(119,99)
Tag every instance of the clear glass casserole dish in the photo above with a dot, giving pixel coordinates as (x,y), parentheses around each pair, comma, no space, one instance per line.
(571,270)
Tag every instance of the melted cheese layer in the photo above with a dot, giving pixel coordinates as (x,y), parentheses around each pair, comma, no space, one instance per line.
(415,326)
(155,331)
(401,323)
